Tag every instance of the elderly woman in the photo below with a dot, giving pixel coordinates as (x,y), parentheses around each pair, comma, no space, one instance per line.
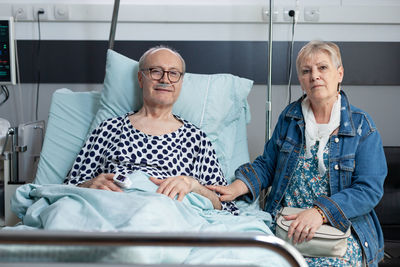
(325,156)
(175,153)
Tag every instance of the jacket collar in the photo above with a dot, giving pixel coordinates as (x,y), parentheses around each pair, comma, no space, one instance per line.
(346,123)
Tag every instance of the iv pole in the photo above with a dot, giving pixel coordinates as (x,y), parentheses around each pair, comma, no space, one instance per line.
(113,25)
(269,81)
(268,109)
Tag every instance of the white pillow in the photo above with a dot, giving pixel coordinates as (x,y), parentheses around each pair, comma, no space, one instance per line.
(70,116)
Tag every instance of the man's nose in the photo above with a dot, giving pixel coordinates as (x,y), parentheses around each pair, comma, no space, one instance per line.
(164,77)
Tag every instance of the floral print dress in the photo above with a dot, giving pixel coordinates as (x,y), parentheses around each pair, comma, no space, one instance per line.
(306,186)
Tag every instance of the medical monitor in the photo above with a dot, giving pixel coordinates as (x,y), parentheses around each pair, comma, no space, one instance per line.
(7,56)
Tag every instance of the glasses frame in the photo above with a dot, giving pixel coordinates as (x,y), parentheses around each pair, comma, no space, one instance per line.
(163,73)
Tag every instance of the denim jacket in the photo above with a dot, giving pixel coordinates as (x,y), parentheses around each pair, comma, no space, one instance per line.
(357,170)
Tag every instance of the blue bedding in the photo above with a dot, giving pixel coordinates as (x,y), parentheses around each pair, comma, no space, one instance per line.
(138,209)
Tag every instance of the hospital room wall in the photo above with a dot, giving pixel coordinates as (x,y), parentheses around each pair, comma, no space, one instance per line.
(379,100)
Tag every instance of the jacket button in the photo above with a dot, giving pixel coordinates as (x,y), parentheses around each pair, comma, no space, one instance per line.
(336,140)
(366,244)
(336,167)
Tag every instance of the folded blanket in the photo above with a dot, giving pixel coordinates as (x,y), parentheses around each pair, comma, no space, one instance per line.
(137,209)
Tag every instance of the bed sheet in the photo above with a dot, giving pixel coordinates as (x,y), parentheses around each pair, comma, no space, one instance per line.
(138,209)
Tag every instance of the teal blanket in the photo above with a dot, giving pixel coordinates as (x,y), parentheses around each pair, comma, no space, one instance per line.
(138,209)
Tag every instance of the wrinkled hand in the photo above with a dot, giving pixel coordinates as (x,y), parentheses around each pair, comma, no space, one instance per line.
(176,185)
(104,181)
(304,225)
(230,192)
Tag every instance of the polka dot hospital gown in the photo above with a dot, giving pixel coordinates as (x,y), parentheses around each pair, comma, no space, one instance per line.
(307,185)
(115,145)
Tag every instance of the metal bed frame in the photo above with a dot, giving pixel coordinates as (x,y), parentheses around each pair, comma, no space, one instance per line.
(71,238)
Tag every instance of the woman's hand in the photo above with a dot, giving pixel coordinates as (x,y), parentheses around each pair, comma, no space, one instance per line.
(104,181)
(177,185)
(304,225)
(230,192)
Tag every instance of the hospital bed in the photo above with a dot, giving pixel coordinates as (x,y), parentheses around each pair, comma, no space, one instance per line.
(72,115)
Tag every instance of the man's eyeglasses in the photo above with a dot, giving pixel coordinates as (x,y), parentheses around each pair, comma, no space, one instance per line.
(156,74)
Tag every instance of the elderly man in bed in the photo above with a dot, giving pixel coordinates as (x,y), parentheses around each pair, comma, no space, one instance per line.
(175,153)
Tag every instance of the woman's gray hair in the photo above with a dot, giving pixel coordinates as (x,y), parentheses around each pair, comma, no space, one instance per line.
(143,58)
(316,46)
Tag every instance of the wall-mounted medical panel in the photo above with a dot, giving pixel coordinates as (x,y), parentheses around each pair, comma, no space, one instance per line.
(206,12)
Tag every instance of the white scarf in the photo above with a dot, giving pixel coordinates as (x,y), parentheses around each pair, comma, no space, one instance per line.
(319,132)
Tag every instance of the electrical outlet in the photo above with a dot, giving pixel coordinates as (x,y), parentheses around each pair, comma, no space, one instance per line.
(311,14)
(61,12)
(265,14)
(21,12)
(41,8)
(285,14)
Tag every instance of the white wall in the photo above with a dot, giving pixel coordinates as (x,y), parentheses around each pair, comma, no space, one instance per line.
(339,20)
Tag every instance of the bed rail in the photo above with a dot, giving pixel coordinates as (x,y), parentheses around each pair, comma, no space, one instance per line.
(70,238)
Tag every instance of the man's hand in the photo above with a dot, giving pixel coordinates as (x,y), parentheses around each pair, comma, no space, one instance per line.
(182,185)
(304,225)
(230,192)
(104,181)
(177,185)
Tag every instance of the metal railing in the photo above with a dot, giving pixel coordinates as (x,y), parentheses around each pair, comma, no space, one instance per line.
(72,238)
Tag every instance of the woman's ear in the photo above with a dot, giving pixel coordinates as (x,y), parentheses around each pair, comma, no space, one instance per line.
(341,74)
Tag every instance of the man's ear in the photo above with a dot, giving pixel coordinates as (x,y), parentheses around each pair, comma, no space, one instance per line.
(140,79)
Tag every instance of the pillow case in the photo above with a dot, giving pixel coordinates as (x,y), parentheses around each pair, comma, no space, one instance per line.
(70,116)
(212,102)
